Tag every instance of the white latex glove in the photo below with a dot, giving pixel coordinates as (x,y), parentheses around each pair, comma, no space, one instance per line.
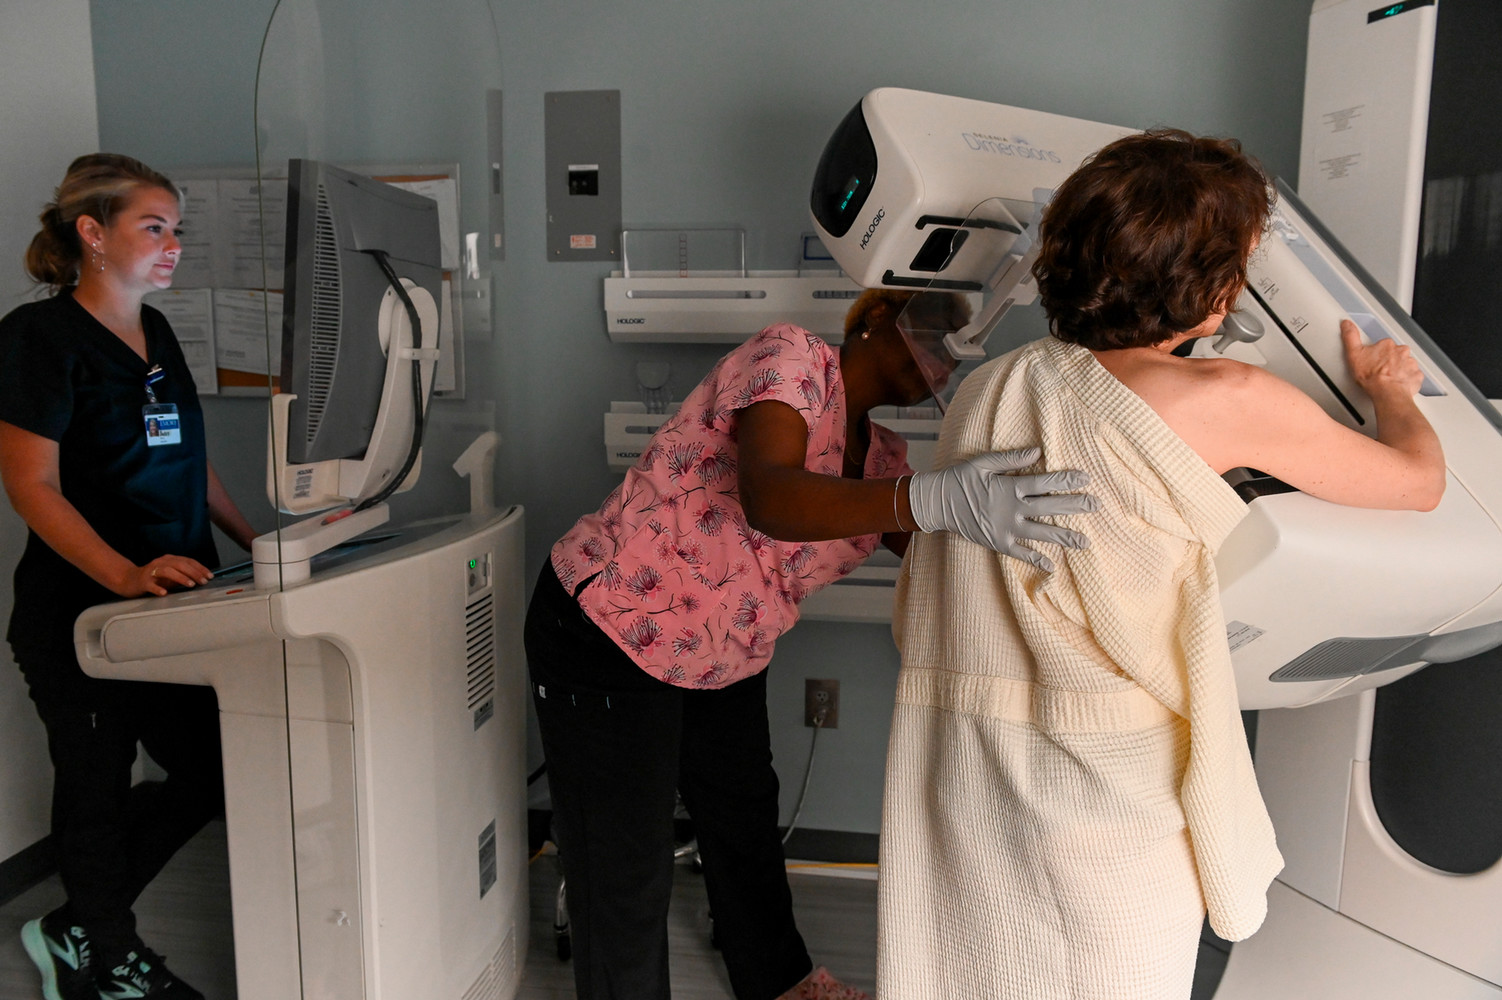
(979,501)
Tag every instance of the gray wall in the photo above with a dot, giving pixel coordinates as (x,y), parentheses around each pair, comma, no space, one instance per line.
(725,108)
(47,117)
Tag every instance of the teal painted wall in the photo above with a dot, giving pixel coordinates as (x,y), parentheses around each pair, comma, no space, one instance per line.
(725,108)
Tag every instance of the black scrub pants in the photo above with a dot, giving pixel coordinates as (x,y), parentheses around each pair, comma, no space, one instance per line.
(111,839)
(619,744)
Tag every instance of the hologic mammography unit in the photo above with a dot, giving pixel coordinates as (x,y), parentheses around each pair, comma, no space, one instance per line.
(371,689)
(1322,602)
(1389,804)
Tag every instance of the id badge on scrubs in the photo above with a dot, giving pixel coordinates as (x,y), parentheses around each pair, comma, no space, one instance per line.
(162,425)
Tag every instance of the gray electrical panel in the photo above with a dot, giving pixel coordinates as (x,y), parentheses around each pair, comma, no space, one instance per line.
(582,138)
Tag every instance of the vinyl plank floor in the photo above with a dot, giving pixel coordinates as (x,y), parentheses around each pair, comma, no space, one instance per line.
(185,914)
(836,915)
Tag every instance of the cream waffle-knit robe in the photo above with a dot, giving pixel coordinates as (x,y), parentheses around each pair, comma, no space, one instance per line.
(1068,782)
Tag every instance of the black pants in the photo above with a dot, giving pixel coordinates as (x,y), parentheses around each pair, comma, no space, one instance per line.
(110,840)
(619,743)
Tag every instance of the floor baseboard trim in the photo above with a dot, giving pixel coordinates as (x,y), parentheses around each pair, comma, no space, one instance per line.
(24,869)
(831,846)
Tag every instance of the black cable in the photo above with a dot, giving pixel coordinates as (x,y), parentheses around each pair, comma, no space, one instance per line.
(537,773)
(417,407)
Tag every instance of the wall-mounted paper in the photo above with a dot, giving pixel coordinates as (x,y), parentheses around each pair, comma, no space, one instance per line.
(200,233)
(243,241)
(248,330)
(191,313)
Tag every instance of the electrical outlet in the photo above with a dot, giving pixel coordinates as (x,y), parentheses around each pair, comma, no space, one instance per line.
(821,696)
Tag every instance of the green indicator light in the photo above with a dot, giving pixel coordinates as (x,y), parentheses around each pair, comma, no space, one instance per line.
(855,183)
(1393,10)
(473,563)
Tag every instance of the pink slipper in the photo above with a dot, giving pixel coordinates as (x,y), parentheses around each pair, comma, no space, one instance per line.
(820,985)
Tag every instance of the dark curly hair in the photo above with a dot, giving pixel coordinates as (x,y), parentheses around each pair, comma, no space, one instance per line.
(1148,238)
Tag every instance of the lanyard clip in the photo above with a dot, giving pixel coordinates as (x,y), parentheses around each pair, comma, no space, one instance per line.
(153,375)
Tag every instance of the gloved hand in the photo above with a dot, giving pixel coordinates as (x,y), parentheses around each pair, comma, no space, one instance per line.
(977,500)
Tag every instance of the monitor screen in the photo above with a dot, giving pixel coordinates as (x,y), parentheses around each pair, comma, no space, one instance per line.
(339,227)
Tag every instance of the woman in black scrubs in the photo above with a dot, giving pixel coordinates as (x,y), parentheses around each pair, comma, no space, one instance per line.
(102,454)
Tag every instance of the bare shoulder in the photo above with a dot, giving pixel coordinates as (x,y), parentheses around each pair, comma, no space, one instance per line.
(1221,408)
(1221,383)
(1170,384)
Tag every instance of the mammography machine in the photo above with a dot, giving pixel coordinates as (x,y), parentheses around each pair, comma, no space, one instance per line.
(1387,804)
(371,697)
(1321,602)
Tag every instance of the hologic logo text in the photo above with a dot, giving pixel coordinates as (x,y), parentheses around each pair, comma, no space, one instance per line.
(881,213)
(631,321)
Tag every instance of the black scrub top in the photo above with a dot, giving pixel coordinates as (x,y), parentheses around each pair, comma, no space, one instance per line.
(66,377)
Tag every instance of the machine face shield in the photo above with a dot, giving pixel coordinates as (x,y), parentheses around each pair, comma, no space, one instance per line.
(925,323)
(943,328)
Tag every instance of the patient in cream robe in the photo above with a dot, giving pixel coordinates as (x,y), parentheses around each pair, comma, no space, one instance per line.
(1068,785)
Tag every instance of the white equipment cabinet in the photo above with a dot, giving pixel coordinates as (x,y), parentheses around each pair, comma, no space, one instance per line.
(373,727)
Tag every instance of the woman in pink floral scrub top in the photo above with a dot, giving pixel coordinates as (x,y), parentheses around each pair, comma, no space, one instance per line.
(687,588)
(652,624)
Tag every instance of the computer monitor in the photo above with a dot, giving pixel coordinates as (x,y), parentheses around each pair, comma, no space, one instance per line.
(350,241)
(359,348)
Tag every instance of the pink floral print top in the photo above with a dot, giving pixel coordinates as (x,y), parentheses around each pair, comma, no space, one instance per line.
(690,591)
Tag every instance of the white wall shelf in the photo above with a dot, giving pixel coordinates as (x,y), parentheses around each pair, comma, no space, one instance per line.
(659,307)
